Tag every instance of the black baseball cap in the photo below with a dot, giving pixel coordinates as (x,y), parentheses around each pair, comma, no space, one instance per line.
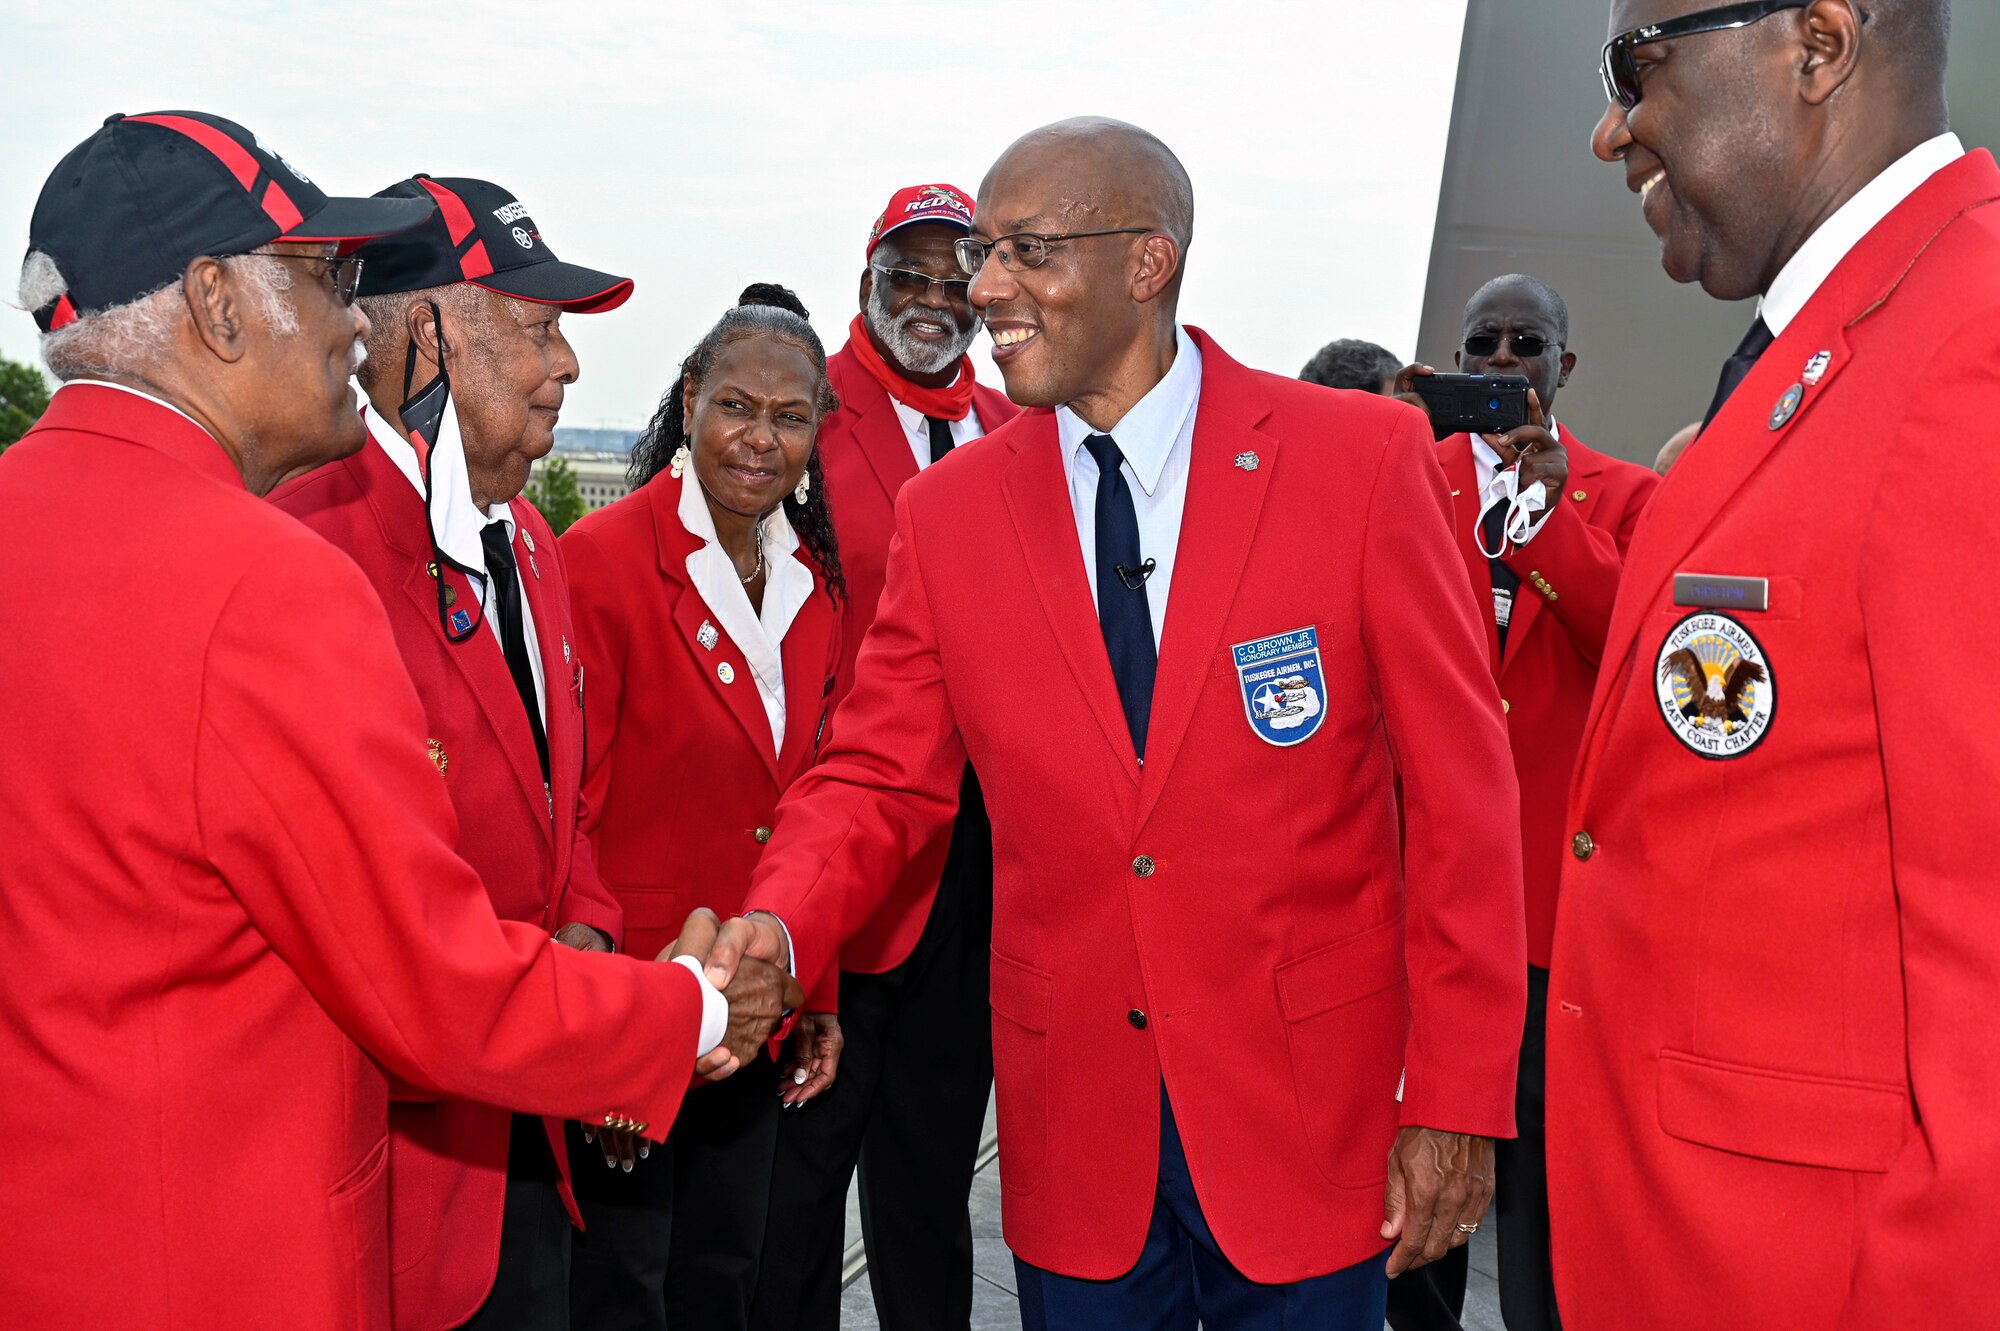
(482,234)
(132,205)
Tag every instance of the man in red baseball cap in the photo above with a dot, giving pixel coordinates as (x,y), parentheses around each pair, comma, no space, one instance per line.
(229,898)
(465,378)
(913,1043)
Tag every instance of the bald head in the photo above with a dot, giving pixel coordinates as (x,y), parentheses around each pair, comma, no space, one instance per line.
(1107,173)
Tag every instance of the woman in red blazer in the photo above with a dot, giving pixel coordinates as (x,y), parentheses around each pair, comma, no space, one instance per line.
(708,613)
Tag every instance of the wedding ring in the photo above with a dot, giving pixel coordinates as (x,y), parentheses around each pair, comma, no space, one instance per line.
(1468,1229)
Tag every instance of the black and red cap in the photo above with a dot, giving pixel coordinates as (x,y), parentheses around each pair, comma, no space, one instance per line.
(482,234)
(132,205)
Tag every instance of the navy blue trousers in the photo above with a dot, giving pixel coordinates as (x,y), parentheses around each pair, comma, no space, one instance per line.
(1182,1278)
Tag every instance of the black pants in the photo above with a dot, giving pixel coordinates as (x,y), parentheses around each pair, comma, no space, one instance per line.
(908,1107)
(531,1288)
(1431,1298)
(676,1243)
(1521,1167)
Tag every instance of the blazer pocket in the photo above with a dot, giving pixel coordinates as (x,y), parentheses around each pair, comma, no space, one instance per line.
(1346,1011)
(358,1208)
(1022,998)
(653,919)
(1789,1117)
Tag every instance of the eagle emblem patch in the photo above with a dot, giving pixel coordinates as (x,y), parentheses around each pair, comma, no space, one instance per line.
(1715,685)
(1284,688)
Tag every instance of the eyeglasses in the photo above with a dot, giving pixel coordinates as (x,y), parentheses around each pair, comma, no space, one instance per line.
(343,275)
(1621,72)
(1526,345)
(909,282)
(1025,249)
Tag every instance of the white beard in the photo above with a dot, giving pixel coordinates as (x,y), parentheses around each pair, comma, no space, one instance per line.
(913,354)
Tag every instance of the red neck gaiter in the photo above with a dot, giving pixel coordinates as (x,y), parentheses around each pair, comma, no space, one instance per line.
(951,404)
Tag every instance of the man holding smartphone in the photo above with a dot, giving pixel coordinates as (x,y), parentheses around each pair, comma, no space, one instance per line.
(1546,583)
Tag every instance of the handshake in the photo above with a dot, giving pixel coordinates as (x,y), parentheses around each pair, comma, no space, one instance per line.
(749,960)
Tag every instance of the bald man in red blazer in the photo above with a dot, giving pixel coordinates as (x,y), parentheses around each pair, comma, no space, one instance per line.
(1773,1060)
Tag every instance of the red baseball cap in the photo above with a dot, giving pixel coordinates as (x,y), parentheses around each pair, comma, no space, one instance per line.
(947,204)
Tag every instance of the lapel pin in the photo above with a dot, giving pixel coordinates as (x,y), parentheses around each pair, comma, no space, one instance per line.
(565,651)
(534,569)
(438,756)
(431,568)
(450,594)
(1816,368)
(705,635)
(1788,406)
(1580,495)
(1247,461)
(460,621)
(726,673)
(528,539)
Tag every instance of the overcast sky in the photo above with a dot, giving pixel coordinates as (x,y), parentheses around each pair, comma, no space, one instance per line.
(699,147)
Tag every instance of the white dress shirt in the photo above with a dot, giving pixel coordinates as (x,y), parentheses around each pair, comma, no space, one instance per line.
(458,537)
(1157,438)
(1807,270)
(135,392)
(1493,483)
(919,430)
(788,585)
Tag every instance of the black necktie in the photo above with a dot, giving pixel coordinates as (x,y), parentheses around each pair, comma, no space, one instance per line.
(941,440)
(1122,609)
(1755,343)
(503,599)
(1492,531)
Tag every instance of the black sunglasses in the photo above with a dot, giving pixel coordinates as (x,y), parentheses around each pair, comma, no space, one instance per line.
(909,282)
(1526,345)
(1621,72)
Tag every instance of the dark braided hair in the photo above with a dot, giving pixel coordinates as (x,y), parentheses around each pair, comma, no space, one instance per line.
(764,309)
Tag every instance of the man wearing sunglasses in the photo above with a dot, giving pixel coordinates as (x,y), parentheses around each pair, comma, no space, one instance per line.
(913,1041)
(1771,1063)
(1547,601)
(431,509)
(1254,1023)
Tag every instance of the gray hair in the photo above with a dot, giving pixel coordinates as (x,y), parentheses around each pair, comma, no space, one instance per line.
(138,333)
(388,318)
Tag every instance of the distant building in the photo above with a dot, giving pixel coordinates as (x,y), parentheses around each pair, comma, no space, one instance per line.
(599,476)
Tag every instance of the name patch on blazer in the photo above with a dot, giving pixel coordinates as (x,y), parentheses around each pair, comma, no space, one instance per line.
(1719,591)
(1284,687)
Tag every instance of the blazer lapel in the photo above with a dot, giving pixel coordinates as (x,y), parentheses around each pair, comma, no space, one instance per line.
(481,664)
(738,692)
(1461,471)
(878,431)
(1223,501)
(1037,498)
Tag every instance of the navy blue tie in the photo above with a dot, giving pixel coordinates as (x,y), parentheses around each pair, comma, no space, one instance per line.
(1122,609)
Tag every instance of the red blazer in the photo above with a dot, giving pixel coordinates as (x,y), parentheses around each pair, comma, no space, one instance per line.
(866,456)
(1236,918)
(1772,1057)
(680,783)
(231,905)
(448,1158)
(1570,570)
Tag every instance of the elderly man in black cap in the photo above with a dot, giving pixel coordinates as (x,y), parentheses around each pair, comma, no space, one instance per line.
(465,377)
(229,898)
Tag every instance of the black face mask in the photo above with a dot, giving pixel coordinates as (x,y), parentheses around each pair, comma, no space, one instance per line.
(423,419)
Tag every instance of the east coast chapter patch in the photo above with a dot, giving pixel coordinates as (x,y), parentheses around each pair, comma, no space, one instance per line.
(1715,685)
(1284,687)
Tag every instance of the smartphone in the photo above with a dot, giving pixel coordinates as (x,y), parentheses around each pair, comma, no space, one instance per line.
(1474,403)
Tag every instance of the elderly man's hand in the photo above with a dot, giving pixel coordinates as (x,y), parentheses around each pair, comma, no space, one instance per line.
(1544,461)
(1439,1186)
(759,996)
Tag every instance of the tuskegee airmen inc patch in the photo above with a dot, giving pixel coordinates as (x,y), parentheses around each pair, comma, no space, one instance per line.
(1284,688)
(1715,685)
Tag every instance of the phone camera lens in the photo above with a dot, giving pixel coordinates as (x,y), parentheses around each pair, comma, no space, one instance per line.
(1493,404)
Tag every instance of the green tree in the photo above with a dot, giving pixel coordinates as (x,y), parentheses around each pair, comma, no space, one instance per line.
(553,490)
(24,396)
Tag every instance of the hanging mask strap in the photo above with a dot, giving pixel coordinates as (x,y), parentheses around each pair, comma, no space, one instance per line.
(423,420)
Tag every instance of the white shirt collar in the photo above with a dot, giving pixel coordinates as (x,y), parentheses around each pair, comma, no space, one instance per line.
(139,392)
(1806,271)
(1147,432)
(788,585)
(1489,461)
(458,536)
